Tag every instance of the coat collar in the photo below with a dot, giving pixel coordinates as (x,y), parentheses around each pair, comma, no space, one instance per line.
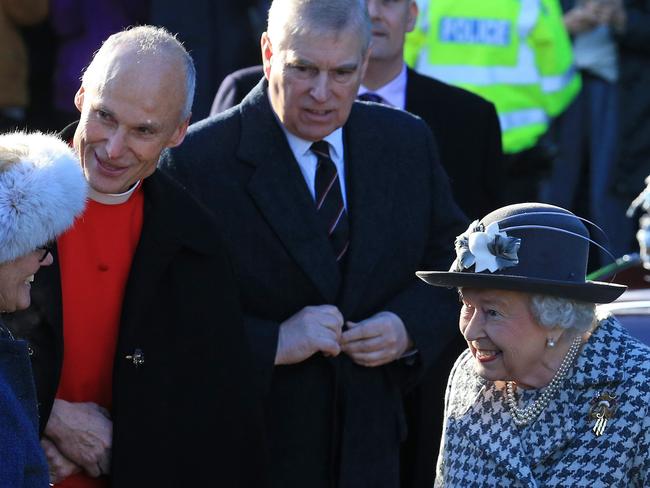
(278,187)
(371,185)
(166,228)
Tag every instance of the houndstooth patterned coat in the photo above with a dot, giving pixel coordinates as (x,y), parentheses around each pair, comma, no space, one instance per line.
(481,445)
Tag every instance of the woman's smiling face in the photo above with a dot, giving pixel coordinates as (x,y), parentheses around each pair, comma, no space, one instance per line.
(505,340)
(16,277)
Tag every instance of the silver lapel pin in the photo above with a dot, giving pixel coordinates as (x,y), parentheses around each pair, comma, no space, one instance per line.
(602,409)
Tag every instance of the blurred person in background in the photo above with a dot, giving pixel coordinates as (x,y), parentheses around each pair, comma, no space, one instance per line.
(589,133)
(631,26)
(80,27)
(516,55)
(42,189)
(14,96)
(221,35)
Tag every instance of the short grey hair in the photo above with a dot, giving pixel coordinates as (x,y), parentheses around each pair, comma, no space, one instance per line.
(574,316)
(146,39)
(294,18)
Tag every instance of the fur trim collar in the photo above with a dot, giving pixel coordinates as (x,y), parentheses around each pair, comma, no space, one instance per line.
(42,190)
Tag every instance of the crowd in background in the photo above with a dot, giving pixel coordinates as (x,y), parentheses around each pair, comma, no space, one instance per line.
(597,147)
(57,39)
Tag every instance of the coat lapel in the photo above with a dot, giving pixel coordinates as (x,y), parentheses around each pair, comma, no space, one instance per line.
(158,243)
(279,189)
(369,193)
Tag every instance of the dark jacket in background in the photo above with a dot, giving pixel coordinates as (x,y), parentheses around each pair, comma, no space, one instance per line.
(466,128)
(331,422)
(634,90)
(81,27)
(220,35)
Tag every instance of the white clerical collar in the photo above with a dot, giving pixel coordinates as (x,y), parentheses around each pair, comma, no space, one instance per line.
(112,198)
(393,92)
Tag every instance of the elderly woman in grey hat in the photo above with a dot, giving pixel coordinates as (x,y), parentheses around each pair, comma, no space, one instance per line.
(548,393)
(42,189)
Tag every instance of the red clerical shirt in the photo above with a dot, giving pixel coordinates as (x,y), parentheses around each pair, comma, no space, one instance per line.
(95,258)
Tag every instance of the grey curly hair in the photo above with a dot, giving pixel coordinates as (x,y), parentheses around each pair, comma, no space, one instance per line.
(571,315)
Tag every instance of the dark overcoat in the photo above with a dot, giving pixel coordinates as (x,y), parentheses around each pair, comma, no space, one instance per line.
(634,79)
(186,416)
(466,130)
(331,422)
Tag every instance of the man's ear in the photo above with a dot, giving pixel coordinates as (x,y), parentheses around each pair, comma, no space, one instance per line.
(179,134)
(79,98)
(413,16)
(267,54)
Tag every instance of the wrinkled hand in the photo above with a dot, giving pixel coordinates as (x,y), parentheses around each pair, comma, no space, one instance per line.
(59,466)
(611,13)
(581,19)
(83,433)
(312,329)
(377,340)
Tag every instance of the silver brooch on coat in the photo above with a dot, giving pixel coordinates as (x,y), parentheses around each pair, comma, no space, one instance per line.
(602,409)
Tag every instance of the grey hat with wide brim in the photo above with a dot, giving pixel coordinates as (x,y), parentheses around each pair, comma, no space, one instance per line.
(527,247)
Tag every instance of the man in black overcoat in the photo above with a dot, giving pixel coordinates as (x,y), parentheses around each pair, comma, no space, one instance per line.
(466,130)
(465,126)
(336,341)
(181,408)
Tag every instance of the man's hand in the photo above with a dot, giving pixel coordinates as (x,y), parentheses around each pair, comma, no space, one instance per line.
(581,19)
(83,433)
(611,12)
(60,467)
(312,329)
(377,340)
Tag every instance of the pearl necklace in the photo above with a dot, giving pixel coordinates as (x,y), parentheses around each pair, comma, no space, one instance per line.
(524,416)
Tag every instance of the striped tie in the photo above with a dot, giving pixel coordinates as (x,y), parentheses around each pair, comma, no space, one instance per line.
(329,201)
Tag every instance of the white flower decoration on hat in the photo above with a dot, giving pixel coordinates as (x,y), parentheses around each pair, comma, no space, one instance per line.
(486,248)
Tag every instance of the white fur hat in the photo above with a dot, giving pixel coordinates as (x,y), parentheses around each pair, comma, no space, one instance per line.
(42,190)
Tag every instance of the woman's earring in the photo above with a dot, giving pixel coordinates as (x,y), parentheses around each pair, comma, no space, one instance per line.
(550,342)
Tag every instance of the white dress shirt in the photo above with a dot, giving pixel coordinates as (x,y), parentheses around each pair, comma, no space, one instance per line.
(393,92)
(307,160)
